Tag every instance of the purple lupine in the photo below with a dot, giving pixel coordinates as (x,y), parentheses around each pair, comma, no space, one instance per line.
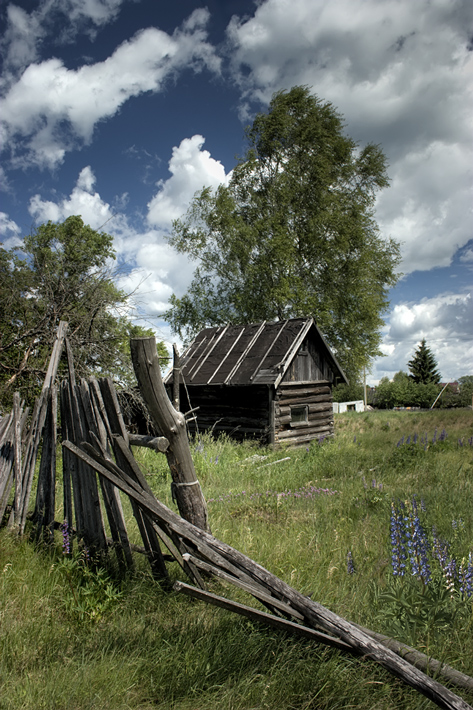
(398,542)
(465,575)
(419,546)
(66,538)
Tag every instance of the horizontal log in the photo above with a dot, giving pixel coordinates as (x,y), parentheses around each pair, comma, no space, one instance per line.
(303,431)
(303,390)
(313,419)
(305,383)
(312,399)
(158,443)
(283,410)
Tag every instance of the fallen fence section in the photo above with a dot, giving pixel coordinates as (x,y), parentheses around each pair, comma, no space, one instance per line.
(195,548)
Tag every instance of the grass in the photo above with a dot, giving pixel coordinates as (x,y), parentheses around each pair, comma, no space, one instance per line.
(151,648)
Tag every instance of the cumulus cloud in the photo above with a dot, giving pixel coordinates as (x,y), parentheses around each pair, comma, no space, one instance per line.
(82,201)
(54,108)
(407,88)
(191,169)
(25,31)
(9,232)
(445,323)
(150,269)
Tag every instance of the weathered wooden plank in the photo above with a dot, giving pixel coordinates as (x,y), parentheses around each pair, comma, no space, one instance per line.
(96,412)
(16,457)
(252,588)
(68,460)
(262,616)
(46,486)
(38,419)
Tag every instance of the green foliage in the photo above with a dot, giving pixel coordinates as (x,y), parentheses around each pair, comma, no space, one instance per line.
(423,366)
(62,272)
(403,391)
(409,610)
(293,234)
(348,393)
(89,592)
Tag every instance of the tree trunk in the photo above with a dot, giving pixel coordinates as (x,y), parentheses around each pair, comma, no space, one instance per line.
(171,424)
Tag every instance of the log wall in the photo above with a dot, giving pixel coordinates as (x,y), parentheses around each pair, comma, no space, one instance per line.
(241,412)
(310,402)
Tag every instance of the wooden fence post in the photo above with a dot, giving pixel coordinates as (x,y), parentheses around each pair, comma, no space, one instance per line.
(171,424)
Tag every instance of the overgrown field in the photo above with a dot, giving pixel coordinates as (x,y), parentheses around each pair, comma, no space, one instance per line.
(329,520)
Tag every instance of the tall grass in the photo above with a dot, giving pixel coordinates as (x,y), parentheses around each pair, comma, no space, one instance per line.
(304,518)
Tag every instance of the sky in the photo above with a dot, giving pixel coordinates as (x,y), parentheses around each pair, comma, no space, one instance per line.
(120,110)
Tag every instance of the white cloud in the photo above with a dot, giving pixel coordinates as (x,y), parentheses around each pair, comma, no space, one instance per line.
(25,31)
(82,201)
(191,169)
(402,79)
(150,269)
(55,107)
(445,323)
(9,232)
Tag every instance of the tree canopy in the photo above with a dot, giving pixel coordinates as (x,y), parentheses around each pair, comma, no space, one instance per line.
(423,366)
(62,272)
(293,233)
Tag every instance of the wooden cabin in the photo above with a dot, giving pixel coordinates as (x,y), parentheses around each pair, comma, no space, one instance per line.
(269,381)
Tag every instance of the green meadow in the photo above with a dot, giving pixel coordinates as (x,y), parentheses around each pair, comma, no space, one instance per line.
(76,638)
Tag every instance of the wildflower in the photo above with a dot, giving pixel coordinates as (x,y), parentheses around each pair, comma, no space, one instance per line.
(66,539)
(419,546)
(398,542)
(465,576)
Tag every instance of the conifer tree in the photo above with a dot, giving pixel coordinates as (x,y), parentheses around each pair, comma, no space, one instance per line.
(423,366)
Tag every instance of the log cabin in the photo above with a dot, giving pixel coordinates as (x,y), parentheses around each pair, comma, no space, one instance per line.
(268,381)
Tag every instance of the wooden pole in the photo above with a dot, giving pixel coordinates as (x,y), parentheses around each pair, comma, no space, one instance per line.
(176,377)
(171,424)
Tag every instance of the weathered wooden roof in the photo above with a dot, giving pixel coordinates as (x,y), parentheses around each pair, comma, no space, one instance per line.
(259,353)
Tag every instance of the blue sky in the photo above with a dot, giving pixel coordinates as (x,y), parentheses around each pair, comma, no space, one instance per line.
(120,110)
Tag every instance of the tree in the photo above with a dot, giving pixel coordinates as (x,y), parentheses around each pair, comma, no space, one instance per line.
(423,366)
(466,390)
(292,234)
(62,272)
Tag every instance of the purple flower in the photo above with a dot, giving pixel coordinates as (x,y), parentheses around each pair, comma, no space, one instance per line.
(398,542)
(66,538)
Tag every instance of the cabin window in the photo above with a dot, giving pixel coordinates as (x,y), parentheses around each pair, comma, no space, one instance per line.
(299,415)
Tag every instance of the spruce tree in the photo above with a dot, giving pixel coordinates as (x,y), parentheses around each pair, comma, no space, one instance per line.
(423,366)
